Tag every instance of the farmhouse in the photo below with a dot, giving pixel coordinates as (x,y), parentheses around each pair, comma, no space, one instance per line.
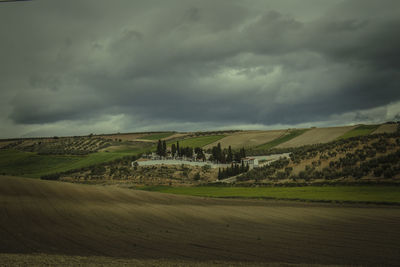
(252,162)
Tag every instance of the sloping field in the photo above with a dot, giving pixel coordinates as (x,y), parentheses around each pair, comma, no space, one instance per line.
(360,130)
(289,135)
(199,141)
(351,194)
(248,139)
(123,137)
(176,136)
(156,136)
(316,136)
(386,128)
(80,220)
(30,164)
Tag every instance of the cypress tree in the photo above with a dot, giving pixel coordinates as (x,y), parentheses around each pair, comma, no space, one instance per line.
(230,156)
(159,148)
(164,148)
(242,153)
(219,152)
(173,150)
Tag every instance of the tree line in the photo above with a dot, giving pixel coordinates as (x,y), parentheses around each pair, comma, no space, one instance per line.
(233,170)
(226,155)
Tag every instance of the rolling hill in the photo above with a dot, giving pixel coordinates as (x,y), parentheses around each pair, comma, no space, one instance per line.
(77,222)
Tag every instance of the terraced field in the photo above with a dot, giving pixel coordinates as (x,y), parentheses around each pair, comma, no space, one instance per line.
(72,224)
(248,139)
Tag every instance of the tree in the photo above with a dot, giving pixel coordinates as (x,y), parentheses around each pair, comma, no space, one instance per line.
(173,150)
(230,156)
(242,153)
(219,153)
(199,153)
(178,149)
(159,148)
(164,148)
(197,176)
(237,157)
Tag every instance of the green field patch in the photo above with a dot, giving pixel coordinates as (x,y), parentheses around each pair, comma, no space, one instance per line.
(361,194)
(359,131)
(29,164)
(281,140)
(198,141)
(156,136)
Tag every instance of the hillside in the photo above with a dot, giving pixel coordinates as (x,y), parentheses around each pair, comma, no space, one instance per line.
(247,139)
(363,159)
(316,136)
(72,223)
(35,157)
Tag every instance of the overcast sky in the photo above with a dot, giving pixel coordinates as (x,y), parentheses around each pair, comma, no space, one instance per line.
(98,66)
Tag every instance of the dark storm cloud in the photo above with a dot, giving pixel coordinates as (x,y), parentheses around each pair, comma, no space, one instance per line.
(206,62)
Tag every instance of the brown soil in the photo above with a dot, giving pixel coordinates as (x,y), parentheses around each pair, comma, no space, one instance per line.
(80,220)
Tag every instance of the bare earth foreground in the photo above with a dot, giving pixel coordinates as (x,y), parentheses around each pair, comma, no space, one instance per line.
(45,222)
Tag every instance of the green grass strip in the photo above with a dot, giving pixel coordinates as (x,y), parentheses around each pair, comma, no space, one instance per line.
(361,194)
(359,131)
(281,140)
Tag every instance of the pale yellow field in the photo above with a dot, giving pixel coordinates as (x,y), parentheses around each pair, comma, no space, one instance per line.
(386,128)
(248,138)
(127,227)
(316,136)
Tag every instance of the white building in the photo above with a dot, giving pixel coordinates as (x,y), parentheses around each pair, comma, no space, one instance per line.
(252,162)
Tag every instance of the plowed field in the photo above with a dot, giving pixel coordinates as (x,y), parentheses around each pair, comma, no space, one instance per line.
(54,218)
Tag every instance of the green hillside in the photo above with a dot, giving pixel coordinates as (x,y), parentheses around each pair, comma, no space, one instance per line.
(360,131)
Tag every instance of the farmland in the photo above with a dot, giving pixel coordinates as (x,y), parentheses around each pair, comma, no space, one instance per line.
(77,224)
(359,131)
(315,136)
(386,128)
(156,136)
(42,156)
(248,139)
(95,214)
(283,139)
(198,141)
(30,164)
(370,194)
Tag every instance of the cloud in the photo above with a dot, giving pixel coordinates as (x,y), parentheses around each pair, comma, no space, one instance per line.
(191,64)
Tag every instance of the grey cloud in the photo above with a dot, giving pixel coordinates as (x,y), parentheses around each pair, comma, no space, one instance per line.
(206,62)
